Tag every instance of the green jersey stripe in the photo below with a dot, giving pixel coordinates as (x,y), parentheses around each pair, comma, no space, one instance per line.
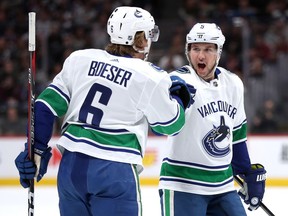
(55,100)
(240,133)
(198,174)
(173,128)
(128,141)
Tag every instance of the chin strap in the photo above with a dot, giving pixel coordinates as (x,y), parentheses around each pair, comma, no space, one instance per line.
(146,49)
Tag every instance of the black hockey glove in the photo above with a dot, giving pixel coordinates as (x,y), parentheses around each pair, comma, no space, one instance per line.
(253,186)
(28,169)
(183,91)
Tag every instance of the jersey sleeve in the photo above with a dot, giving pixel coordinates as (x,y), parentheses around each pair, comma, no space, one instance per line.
(240,122)
(44,121)
(57,95)
(164,114)
(52,102)
(240,159)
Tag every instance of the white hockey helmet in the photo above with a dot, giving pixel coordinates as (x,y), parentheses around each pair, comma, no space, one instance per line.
(206,33)
(125,21)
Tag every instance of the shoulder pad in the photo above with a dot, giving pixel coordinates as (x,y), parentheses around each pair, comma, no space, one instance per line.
(157,68)
(183,70)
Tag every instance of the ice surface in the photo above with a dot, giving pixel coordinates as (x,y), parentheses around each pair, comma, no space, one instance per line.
(13,201)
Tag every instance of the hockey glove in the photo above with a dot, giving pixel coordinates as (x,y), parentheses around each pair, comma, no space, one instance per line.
(192,91)
(253,186)
(28,169)
(180,89)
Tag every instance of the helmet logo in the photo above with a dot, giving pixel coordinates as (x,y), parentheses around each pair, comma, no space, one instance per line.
(138,14)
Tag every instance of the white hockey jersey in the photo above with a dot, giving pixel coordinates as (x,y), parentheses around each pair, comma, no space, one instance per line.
(200,157)
(108,101)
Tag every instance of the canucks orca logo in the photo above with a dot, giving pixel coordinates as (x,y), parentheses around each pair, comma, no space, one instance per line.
(217,134)
(138,14)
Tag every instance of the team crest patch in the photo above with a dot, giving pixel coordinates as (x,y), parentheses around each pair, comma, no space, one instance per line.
(216,135)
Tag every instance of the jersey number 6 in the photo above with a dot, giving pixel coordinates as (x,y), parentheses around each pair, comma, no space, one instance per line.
(87,108)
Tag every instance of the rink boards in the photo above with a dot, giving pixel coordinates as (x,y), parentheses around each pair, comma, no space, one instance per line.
(271,151)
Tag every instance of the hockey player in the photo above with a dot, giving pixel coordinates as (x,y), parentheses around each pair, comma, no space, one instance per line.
(108,98)
(197,174)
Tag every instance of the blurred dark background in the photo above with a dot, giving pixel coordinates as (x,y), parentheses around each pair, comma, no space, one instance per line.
(256,48)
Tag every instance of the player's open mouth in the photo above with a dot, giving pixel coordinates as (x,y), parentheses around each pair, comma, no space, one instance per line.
(201,65)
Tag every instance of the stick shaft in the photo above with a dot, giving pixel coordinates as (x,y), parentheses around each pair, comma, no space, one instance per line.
(31,100)
(264,207)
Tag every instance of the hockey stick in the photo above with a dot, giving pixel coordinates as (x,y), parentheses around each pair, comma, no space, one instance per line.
(264,207)
(31,100)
